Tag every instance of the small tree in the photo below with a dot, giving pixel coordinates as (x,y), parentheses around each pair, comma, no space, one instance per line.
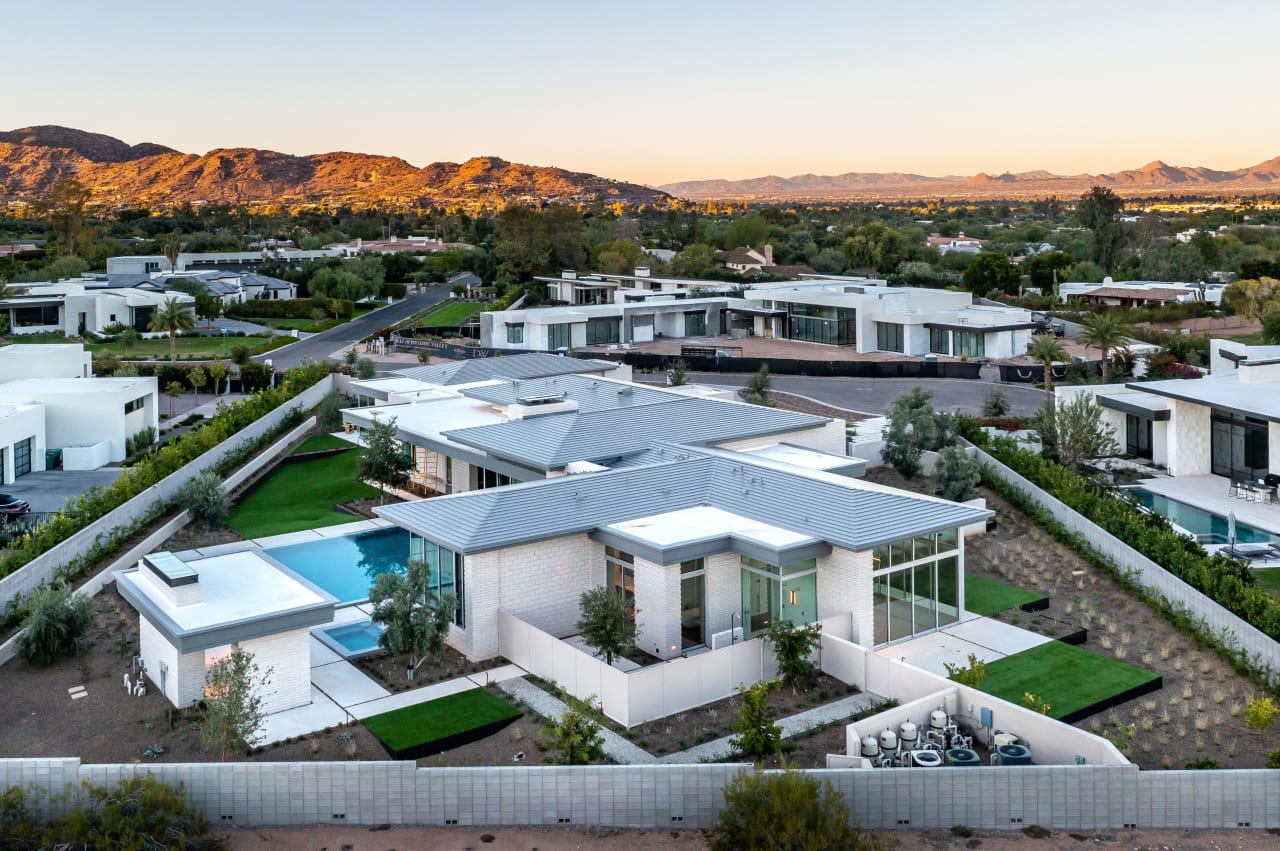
(55,624)
(424,356)
(331,409)
(351,357)
(787,810)
(217,373)
(204,497)
(792,646)
(607,622)
(677,373)
(758,387)
(233,710)
(129,338)
(757,734)
(995,403)
(1035,703)
(198,378)
(384,460)
(1076,431)
(173,390)
(958,475)
(416,618)
(914,427)
(172,317)
(575,737)
(1261,713)
(365,369)
(970,675)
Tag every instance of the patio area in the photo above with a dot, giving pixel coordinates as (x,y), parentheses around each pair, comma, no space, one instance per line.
(984,637)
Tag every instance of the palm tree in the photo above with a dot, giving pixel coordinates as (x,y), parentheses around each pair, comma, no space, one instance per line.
(1047,349)
(172,248)
(170,317)
(1103,331)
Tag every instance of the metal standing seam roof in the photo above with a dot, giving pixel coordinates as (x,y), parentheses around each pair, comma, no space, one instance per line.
(551,441)
(842,511)
(590,392)
(531,365)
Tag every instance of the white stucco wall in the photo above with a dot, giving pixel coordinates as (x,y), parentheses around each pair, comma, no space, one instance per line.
(1188,439)
(17,423)
(51,361)
(89,410)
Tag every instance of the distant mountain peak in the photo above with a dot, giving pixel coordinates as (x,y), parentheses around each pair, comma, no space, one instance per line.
(35,159)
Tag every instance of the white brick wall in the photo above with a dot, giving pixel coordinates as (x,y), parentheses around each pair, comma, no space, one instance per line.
(844,585)
(1188,436)
(724,591)
(184,675)
(540,583)
(288,657)
(658,608)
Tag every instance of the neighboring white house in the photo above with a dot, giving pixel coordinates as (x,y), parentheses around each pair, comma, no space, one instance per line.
(89,412)
(22,442)
(225,261)
(866,315)
(191,614)
(959,243)
(1122,294)
(25,360)
(1224,424)
(82,305)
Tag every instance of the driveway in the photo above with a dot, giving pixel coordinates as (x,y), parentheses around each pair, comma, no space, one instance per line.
(48,490)
(873,395)
(319,346)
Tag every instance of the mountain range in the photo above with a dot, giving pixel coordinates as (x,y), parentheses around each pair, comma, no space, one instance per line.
(1152,179)
(33,160)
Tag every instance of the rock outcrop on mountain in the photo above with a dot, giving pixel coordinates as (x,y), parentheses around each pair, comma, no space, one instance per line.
(35,159)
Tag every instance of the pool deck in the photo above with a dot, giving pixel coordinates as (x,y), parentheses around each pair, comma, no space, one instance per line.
(287,539)
(1209,493)
(984,637)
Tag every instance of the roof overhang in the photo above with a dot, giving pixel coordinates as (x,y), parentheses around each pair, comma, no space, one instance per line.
(712,545)
(1146,406)
(756,311)
(955,326)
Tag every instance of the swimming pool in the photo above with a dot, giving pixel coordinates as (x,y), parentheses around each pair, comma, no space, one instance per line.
(352,640)
(346,566)
(1209,528)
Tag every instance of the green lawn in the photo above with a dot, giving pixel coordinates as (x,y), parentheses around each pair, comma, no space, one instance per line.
(1068,678)
(452,313)
(402,729)
(317,442)
(158,347)
(984,596)
(1269,579)
(301,496)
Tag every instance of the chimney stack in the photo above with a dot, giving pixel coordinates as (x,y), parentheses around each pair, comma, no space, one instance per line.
(768,255)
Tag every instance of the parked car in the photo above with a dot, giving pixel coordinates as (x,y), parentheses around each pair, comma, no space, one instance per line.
(11,506)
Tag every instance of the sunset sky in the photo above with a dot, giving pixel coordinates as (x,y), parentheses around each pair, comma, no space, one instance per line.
(661,91)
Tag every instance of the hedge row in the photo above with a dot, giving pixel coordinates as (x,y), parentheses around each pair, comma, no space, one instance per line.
(1225,580)
(99,500)
(290,308)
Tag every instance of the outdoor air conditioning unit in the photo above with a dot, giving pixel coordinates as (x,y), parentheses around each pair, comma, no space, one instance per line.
(725,638)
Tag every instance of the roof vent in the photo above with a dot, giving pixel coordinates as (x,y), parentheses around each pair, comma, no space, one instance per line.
(549,399)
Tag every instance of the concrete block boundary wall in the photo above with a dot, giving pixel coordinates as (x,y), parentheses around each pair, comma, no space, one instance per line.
(43,567)
(1233,631)
(689,796)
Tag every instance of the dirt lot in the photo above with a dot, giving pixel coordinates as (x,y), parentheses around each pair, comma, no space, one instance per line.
(604,839)
(1198,714)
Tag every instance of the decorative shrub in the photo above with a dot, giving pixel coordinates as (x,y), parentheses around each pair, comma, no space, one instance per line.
(56,622)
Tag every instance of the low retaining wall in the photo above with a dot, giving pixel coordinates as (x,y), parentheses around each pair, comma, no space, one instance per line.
(43,567)
(1231,630)
(688,796)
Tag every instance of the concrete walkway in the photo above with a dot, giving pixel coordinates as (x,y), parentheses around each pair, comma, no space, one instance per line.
(624,752)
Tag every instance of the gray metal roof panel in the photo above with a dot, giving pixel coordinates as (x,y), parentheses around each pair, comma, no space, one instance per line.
(553,440)
(530,365)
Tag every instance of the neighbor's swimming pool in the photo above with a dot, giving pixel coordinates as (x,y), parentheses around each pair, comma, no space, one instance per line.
(346,566)
(1209,528)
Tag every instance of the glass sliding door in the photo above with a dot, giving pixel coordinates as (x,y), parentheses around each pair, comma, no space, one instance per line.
(1239,447)
(759,601)
(693,595)
(771,592)
(916,586)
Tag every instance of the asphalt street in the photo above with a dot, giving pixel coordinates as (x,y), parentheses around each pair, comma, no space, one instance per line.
(320,346)
(872,395)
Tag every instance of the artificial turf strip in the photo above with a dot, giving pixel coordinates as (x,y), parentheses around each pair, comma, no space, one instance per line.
(445,717)
(453,313)
(318,442)
(301,496)
(1066,677)
(984,596)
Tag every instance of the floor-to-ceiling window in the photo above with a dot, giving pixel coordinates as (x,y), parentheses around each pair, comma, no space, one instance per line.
(695,324)
(603,331)
(915,585)
(970,344)
(889,337)
(815,323)
(940,341)
(1238,446)
(558,336)
(773,592)
(444,571)
(1137,436)
(693,603)
(620,572)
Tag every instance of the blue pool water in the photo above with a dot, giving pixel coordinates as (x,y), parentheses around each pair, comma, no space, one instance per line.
(1209,528)
(354,639)
(347,566)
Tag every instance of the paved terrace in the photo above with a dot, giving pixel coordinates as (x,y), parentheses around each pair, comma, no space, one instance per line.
(1210,493)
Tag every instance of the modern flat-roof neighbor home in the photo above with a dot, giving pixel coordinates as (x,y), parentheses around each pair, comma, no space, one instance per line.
(1224,424)
(191,614)
(863,314)
(225,261)
(82,305)
(718,518)
(25,360)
